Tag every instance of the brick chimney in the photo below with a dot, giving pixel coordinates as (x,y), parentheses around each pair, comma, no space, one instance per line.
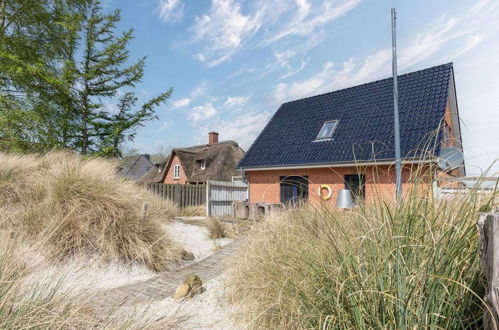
(212,138)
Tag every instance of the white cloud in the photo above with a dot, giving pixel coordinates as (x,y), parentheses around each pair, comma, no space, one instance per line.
(242,129)
(170,10)
(199,90)
(333,77)
(202,112)
(283,58)
(445,39)
(199,57)
(306,22)
(471,43)
(181,103)
(236,101)
(224,28)
(230,25)
(427,44)
(164,126)
(288,61)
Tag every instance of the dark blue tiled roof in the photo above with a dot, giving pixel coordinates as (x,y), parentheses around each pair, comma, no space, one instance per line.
(365,128)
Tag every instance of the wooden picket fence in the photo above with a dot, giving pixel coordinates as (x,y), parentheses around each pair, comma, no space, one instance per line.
(181,194)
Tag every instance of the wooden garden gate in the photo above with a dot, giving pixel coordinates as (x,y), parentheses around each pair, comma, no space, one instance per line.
(220,196)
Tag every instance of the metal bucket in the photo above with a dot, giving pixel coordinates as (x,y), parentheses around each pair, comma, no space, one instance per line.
(344,200)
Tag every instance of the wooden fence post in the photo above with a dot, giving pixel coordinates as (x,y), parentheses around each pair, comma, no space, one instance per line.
(208,211)
(488,224)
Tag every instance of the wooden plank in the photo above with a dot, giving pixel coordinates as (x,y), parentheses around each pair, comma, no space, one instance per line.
(228,184)
(468,178)
(488,225)
(178,195)
(194,195)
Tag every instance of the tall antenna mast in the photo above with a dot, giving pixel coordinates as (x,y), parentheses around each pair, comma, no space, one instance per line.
(398,162)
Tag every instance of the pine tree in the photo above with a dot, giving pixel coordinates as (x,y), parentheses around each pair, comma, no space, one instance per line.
(33,35)
(120,127)
(60,62)
(103,74)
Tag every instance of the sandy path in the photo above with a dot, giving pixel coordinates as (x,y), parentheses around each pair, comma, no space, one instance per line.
(163,286)
(194,238)
(152,297)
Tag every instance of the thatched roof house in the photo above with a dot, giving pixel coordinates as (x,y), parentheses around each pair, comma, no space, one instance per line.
(200,163)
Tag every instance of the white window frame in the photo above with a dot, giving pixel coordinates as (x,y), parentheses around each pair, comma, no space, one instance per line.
(328,137)
(176,171)
(202,164)
(237,178)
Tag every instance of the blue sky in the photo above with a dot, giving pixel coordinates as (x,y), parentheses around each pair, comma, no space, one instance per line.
(233,62)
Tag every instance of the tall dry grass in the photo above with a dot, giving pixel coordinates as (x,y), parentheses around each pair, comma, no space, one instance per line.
(81,206)
(216,228)
(59,205)
(412,265)
(192,211)
(43,305)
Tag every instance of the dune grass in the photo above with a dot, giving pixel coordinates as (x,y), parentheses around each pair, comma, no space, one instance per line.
(44,305)
(57,206)
(411,265)
(81,206)
(192,211)
(216,228)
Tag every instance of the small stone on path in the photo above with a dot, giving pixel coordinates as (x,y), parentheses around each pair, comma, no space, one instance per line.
(191,286)
(187,256)
(181,292)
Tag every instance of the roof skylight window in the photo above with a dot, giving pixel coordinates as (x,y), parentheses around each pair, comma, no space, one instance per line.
(327,130)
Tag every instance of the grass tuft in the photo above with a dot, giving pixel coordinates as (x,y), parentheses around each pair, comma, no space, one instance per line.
(192,211)
(216,228)
(381,266)
(81,206)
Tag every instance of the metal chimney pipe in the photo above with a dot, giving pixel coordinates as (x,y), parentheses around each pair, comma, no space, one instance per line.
(398,161)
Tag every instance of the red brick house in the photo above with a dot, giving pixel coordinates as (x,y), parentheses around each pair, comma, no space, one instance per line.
(314,147)
(197,164)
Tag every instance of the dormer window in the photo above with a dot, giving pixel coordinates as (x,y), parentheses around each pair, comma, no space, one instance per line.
(202,164)
(327,130)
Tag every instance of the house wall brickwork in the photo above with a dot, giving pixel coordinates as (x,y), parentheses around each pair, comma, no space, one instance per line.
(169,173)
(380,181)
